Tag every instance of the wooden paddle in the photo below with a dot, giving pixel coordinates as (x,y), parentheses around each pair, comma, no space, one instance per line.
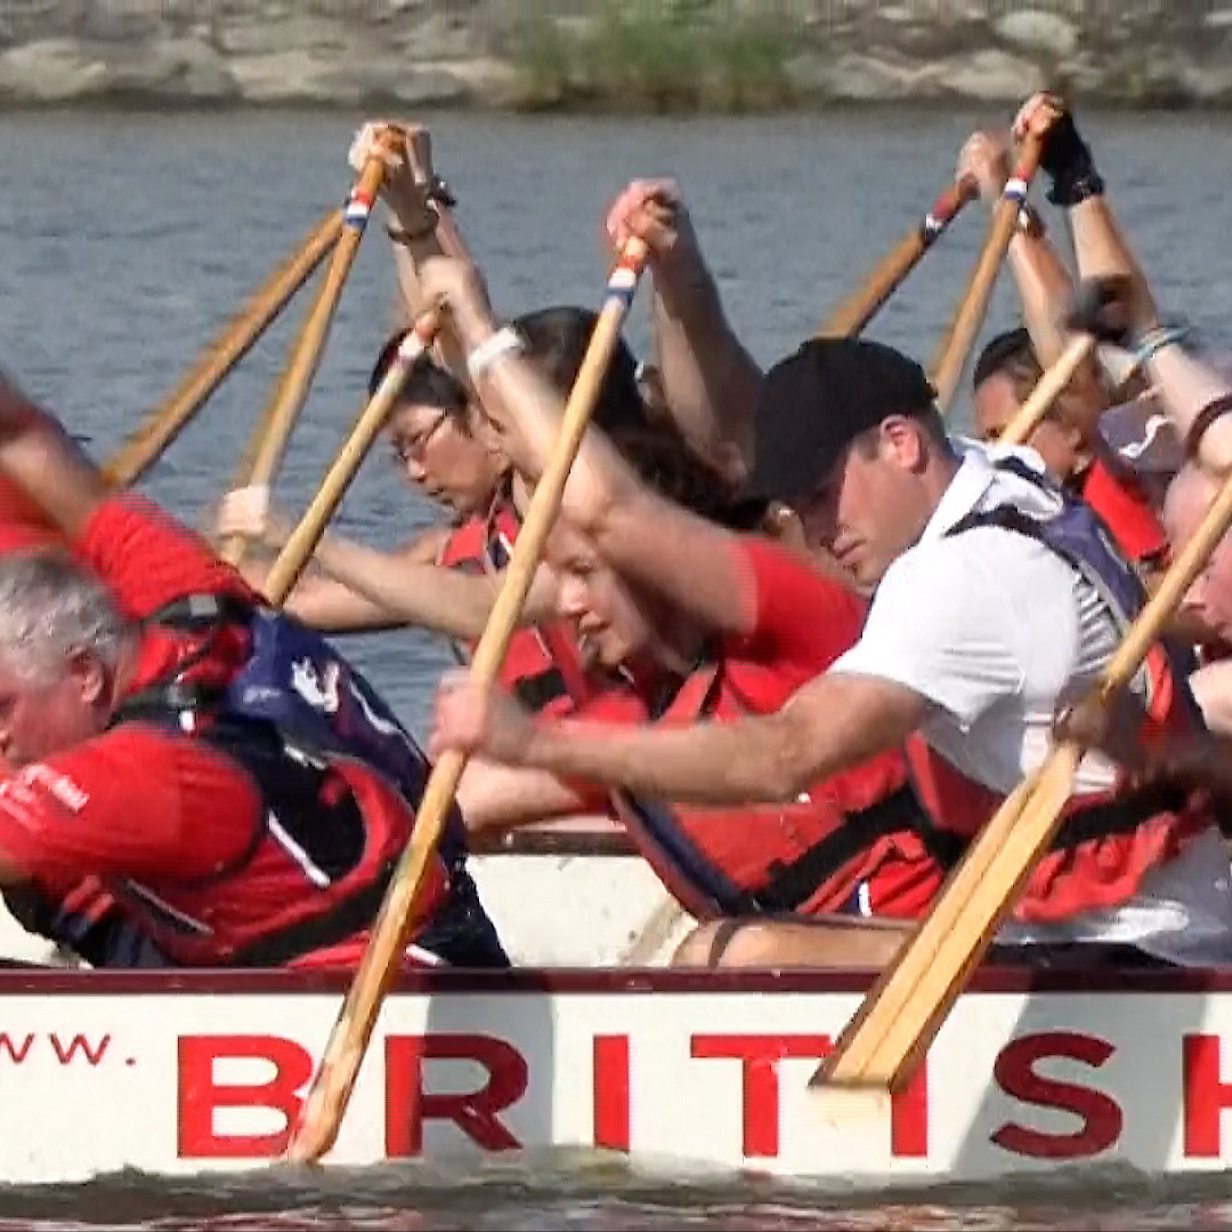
(273,430)
(882,1045)
(1098,311)
(147,443)
(1047,389)
(330,1092)
(299,547)
(951,357)
(851,317)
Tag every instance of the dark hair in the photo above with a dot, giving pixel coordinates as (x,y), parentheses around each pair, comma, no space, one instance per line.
(556,341)
(428,382)
(1010,354)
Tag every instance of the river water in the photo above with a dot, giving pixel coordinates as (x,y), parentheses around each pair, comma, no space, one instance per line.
(127,240)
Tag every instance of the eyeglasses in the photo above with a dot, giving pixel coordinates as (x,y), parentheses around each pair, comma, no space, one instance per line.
(406,448)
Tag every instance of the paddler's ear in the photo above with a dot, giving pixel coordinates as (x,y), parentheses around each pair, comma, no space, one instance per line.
(90,675)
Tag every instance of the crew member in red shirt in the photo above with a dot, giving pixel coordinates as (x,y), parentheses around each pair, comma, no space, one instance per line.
(229,845)
(707,623)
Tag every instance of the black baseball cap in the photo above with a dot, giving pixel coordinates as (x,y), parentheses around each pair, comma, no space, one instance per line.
(815,402)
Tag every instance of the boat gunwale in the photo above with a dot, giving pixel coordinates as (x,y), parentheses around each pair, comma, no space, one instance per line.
(594,981)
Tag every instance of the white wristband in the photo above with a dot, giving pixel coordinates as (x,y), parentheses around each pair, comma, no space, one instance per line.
(506,341)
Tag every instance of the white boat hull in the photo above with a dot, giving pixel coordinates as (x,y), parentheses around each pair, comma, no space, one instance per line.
(198,1072)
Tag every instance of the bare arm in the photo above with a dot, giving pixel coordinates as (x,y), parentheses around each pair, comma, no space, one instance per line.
(493,797)
(710,381)
(39,456)
(685,558)
(1044,284)
(432,596)
(832,722)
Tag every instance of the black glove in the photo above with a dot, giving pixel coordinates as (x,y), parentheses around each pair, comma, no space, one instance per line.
(1102,307)
(1067,160)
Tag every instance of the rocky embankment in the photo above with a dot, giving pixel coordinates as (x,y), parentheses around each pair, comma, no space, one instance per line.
(669,55)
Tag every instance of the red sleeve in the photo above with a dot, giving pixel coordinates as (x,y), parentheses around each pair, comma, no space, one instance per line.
(148,559)
(1125,510)
(802,618)
(134,802)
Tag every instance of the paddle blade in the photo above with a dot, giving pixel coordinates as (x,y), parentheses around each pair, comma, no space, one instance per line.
(900,1017)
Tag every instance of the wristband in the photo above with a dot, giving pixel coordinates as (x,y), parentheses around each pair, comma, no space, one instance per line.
(1155,339)
(1069,190)
(506,341)
(1203,420)
(400,235)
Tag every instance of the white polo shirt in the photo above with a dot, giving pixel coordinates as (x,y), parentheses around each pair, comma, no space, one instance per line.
(995,629)
(989,625)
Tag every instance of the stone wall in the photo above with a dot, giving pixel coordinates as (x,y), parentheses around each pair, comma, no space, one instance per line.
(523,53)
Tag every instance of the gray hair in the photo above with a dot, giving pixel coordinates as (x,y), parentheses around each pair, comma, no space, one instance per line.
(50,609)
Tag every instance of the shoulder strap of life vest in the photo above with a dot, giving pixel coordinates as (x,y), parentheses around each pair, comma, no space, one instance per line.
(1077,535)
(702,886)
(305,690)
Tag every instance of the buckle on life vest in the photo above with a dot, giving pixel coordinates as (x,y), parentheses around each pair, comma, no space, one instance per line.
(789,886)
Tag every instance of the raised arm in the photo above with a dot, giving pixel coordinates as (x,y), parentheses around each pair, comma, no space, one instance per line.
(710,381)
(39,456)
(411,192)
(1045,287)
(643,536)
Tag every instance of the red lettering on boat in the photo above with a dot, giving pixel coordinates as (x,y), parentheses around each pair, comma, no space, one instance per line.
(408,1105)
(760,1056)
(16,1051)
(200,1095)
(18,1047)
(611,1092)
(1100,1114)
(1204,1094)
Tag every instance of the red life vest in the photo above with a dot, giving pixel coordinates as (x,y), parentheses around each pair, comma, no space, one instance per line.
(337,826)
(1108,841)
(807,857)
(543,666)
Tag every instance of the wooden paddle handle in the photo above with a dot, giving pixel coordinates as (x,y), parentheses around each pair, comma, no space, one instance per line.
(905,1009)
(1162,605)
(299,547)
(969,316)
(152,437)
(1047,389)
(276,424)
(852,316)
(330,1093)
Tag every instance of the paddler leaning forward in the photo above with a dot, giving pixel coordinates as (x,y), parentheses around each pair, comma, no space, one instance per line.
(123,757)
(706,622)
(996,598)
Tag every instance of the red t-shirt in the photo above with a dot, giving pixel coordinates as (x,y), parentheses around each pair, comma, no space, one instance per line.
(801,623)
(1125,510)
(137,803)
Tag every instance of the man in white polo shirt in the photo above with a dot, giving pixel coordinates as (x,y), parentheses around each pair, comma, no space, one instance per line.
(995,599)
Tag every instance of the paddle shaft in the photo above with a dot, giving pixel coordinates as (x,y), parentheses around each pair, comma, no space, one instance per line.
(273,431)
(852,316)
(330,1093)
(902,1014)
(152,437)
(1047,390)
(952,355)
(301,544)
